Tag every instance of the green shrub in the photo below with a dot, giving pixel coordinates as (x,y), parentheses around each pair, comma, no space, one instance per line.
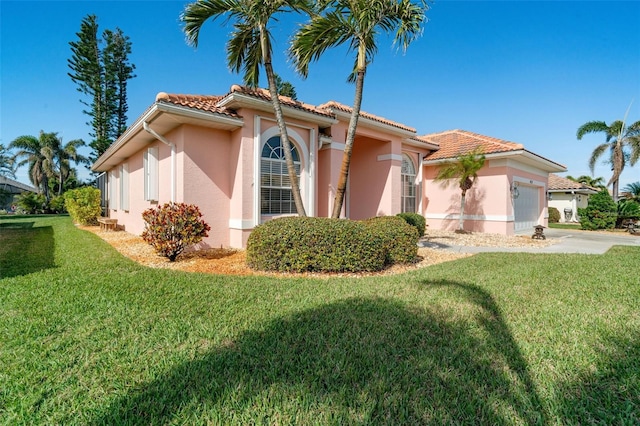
(309,244)
(415,219)
(56,204)
(600,213)
(173,227)
(399,238)
(554,215)
(628,209)
(31,203)
(83,205)
(301,244)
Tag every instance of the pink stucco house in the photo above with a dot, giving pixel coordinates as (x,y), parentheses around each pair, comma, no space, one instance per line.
(223,154)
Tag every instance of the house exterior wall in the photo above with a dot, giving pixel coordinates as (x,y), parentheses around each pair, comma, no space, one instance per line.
(131,220)
(204,179)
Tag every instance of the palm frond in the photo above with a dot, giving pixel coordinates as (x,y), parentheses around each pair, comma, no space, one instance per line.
(596,154)
(592,127)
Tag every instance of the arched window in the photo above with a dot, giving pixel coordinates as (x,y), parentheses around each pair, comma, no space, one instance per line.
(275,186)
(408,175)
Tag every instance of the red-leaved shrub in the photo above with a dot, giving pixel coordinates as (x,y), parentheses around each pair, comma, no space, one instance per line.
(173,227)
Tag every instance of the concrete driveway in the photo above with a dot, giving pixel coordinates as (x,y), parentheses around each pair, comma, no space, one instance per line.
(570,241)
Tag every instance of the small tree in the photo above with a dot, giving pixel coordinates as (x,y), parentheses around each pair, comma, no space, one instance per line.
(173,227)
(600,213)
(464,172)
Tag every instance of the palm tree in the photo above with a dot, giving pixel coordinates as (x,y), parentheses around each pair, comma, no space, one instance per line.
(357,23)
(622,141)
(589,181)
(37,153)
(63,155)
(632,191)
(248,49)
(464,172)
(7,163)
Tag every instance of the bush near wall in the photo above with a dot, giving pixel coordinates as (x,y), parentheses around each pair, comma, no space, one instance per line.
(310,244)
(415,219)
(173,227)
(83,205)
(554,215)
(600,213)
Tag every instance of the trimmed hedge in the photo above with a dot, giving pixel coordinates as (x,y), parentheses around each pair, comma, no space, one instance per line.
(554,215)
(399,239)
(311,244)
(415,219)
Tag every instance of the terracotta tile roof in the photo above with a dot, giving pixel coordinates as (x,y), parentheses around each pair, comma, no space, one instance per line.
(284,100)
(559,183)
(456,142)
(200,102)
(331,105)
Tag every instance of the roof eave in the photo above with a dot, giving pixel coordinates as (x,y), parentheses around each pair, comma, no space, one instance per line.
(374,124)
(421,144)
(184,114)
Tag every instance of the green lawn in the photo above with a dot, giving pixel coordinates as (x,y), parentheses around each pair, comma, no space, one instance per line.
(89,337)
(565,225)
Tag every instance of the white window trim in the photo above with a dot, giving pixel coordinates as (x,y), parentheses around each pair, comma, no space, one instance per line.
(124,186)
(306,171)
(416,188)
(151,164)
(113,199)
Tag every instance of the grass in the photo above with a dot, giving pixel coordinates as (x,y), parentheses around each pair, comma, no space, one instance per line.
(564,225)
(89,337)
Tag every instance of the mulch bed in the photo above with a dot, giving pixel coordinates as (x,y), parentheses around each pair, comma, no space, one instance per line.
(233,262)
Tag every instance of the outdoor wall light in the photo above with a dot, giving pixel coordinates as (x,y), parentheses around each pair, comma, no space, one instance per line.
(514,190)
(549,196)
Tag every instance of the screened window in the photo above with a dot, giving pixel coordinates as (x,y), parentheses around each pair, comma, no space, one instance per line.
(276,196)
(408,175)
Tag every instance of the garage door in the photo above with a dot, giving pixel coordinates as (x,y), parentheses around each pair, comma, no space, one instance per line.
(526,208)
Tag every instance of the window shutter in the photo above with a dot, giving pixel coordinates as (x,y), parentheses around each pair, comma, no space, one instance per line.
(124,187)
(151,174)
(113,201)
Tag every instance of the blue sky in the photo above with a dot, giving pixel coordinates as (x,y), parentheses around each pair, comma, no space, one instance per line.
(526,71)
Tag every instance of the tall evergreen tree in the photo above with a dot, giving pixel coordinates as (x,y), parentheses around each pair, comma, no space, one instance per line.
(100,67)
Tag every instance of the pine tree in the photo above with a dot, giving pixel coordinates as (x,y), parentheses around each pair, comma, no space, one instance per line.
(100,67)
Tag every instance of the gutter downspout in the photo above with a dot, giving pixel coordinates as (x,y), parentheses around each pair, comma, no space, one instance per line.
(164,140)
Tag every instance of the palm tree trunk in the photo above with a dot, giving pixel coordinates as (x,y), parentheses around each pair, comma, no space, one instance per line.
(463,201)
(348,147)
(284,136)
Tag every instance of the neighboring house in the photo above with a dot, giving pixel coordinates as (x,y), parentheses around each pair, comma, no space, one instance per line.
(223,153)
(568,196)
(9,188)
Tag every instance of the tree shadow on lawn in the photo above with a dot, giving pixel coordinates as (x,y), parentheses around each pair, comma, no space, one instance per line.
(360,360)
(25,249)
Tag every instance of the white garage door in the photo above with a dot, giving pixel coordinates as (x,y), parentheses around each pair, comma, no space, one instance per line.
(526,208)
